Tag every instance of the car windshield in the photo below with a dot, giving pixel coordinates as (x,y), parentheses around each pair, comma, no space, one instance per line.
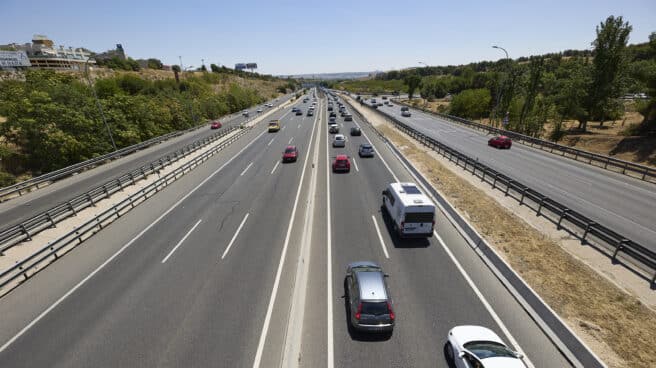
(489,349)
(290,150)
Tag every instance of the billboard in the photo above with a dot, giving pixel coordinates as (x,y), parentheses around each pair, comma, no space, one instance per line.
(12,59)
(240,66)
(251,66)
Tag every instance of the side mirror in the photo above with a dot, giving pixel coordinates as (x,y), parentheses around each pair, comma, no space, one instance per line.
(385,275)
(519,355)
(461,355)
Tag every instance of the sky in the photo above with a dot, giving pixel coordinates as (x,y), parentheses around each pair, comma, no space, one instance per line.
(306,37)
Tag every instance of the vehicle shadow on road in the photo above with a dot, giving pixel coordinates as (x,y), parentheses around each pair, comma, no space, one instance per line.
(398,241)
(358,335)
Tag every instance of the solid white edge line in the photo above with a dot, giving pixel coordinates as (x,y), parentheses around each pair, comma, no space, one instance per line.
(181,241)
(330,348)
(123,248)
(274,291)
(355,164)
(483,300)
(234,236)
(275,167)
(246,169)
(380,237)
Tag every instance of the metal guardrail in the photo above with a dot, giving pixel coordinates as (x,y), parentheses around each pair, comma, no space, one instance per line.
(631,169)
(52,250)
(575,223)
(16,234)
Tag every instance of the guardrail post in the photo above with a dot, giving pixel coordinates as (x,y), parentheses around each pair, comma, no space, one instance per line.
(540,206)
(626,164)
(620,246)
(644,174)
(143,172)
(587,230)
(90,198)
(507,187)
(494,182)
(120,184)
(106,191)
(562,216)
(52,222)
(27,233)
(131,178)
(70,207)
(606,163)
(521,201)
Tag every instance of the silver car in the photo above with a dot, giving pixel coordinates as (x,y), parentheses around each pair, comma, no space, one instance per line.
(339,141)
(366,150)
(368,297)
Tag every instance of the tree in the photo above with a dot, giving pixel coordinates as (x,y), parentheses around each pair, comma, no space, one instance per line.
(176,71)
(608,68)
(154,64)
(203,68)
(413,81)
(536,68)
(471,103)
(214,68)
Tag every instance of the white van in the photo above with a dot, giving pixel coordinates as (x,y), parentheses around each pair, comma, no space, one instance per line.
(411,212)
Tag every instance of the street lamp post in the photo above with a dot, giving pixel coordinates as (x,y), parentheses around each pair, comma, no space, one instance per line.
(95,96)
(496,108)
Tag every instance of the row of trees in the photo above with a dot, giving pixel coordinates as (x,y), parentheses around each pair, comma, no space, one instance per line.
(573,85)
(52,121)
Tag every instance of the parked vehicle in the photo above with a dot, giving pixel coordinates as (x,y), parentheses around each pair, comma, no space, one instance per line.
(411,212)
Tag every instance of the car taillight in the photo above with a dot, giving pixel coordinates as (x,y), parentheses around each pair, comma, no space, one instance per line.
(391,312)
(359,313)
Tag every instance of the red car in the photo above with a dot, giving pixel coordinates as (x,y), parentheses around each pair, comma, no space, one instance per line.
(500,141)
(341,164)
(216,125)
(290,154)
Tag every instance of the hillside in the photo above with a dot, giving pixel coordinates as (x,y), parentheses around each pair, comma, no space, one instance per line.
(49,120)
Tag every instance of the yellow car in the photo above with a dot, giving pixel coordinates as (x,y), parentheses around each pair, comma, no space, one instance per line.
(274,126)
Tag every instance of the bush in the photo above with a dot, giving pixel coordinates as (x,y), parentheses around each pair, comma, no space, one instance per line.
(471,103)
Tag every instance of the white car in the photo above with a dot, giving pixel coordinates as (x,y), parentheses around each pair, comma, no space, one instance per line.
(406,113)
(259,110)
(339,141)
(480,347)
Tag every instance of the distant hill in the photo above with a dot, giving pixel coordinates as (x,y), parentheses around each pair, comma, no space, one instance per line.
(346,75)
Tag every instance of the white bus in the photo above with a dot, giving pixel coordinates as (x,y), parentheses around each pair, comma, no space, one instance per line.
(412,213)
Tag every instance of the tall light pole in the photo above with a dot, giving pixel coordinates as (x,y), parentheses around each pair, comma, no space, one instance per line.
(496,108)
(95,96)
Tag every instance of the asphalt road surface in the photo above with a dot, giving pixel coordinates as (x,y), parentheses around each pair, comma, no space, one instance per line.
(204,274)
(619,202)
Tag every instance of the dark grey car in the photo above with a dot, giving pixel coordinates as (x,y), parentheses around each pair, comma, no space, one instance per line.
(368,298)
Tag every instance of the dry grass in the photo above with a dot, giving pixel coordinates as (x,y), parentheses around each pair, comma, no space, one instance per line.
(620,329)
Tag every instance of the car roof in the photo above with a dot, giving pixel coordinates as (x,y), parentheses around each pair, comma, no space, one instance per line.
(339,136)
(372,285)
(411,195)
(467,333)
(290,147)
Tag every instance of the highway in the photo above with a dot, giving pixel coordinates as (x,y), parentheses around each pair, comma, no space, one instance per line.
(21,208)
(622,203)
(206,273)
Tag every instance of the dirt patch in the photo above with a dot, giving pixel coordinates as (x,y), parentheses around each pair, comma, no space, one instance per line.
(616,326)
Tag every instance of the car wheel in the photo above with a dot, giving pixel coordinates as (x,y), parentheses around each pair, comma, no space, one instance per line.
(450,355)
